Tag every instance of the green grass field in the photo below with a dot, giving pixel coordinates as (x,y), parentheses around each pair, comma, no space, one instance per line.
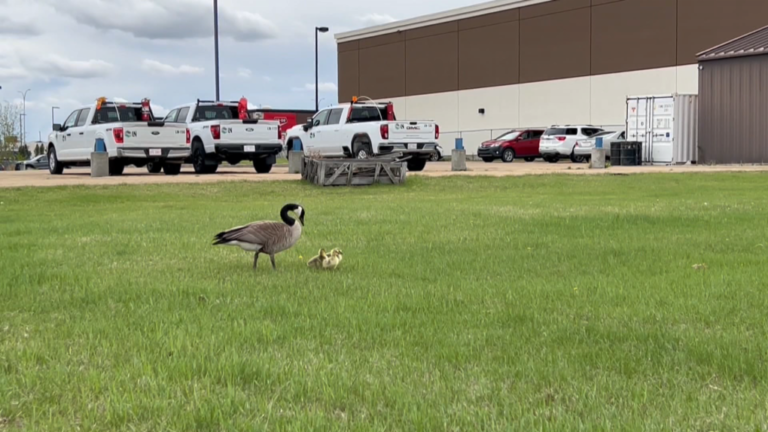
(462,304)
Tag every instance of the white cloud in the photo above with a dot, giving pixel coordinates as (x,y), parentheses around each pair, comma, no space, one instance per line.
(24,28)
(12,73)
(374,19)
(55,66)
(166,69)
(158,110)
(170,20)
(244,72)
(323,87)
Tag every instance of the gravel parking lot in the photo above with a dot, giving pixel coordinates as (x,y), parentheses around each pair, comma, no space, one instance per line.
(436,169)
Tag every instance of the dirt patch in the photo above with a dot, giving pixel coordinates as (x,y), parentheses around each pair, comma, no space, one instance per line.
(82,176)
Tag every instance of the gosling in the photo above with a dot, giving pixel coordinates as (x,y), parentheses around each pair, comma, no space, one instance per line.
(333,260)
(318,260)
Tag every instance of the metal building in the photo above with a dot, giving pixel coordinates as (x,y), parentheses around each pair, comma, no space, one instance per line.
(733,101)
(480,70)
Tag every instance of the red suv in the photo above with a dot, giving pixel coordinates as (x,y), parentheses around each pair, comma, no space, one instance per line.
(519,143)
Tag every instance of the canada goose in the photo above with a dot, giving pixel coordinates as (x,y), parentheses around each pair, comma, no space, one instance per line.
(333,260)
(317,261)
(267,237)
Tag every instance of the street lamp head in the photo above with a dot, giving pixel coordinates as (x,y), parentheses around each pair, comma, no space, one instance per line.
(322,29)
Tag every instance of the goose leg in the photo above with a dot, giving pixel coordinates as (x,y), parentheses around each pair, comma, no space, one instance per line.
(255,260)
(272,258)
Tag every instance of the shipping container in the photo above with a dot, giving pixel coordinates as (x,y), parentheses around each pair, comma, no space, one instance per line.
(667,125)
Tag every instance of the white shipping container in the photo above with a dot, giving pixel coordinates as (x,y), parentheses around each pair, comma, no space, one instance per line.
(667,125)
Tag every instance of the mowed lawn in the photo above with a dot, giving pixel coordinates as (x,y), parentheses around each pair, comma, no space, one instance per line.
(462,304)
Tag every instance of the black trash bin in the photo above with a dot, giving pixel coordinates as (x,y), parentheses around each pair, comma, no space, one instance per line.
(631,153)
(616,153)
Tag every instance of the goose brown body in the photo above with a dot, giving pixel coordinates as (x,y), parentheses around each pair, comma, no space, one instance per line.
(265,237)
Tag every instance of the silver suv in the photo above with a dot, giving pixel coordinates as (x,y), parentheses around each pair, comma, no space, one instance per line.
(559,142)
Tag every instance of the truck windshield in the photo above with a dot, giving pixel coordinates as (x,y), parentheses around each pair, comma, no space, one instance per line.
(205,113)
(115,114)
(362,114)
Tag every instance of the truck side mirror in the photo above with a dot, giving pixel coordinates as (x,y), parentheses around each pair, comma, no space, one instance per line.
(56,127)
(308,125)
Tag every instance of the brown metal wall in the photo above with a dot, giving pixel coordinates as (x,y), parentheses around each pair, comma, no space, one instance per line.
(553,40)
(732,112)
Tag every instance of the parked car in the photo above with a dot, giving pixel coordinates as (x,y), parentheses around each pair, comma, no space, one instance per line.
(131,136)
(38,162)
(560,141)
(364,129)
(584,147)
(517,143)
(225,132)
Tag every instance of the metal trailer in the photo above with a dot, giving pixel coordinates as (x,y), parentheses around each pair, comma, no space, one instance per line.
(666,125)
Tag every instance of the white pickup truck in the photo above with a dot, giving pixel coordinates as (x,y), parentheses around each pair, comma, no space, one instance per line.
(130,134)
(365,129)
(224,131)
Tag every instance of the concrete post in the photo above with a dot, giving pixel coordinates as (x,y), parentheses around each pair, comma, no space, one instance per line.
(295,158)
(459,156)
(99,159)
(598,158)
(99,164)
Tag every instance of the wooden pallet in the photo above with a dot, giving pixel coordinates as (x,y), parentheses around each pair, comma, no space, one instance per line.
(353,172)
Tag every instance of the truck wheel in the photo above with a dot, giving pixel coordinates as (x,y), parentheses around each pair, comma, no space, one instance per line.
(576,159)
(171,169)
(508,155)
(261,166)
(416,164)
(116,167)
(530,159)
(361,149)
(552,159)
(201,163)
(54,166)
(154,167)
(488,160)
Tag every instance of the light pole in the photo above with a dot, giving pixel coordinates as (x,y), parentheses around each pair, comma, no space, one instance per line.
(53,121)
(216,42)
(24,114)
(318,30)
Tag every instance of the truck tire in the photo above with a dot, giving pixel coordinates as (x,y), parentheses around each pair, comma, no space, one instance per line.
(530,159)
(116,167)
(577,159)
(416,164)
(201,162)
(154,168)
(261,166)
(54,166)
(171,169)
(361,149)
(488,160)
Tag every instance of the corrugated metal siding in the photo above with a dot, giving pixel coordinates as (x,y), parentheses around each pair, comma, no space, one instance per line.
(686,129)
(733,110)
(753,43)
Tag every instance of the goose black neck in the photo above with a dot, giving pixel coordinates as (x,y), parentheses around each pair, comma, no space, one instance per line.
(286,217)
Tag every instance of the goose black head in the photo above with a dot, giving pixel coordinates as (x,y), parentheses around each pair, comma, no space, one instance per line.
(297,209)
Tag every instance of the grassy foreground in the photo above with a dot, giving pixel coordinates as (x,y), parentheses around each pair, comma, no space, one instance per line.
(536,303)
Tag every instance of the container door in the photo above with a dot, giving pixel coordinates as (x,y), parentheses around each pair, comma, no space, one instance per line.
(638,124)
(662,124)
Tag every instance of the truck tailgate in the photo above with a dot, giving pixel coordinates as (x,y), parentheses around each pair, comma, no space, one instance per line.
(411,132)
(143,135)
(239,132)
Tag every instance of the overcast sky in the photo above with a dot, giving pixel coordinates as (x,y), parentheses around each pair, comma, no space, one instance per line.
(70,52)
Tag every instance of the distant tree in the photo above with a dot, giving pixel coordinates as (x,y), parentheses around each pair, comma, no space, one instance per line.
(39,150)
(9,132)
(24,153)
